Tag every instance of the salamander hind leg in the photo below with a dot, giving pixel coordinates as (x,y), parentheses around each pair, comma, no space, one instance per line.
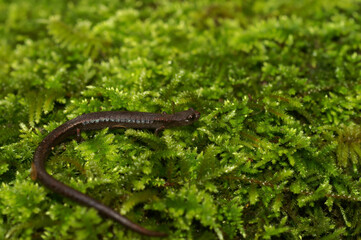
(79,138)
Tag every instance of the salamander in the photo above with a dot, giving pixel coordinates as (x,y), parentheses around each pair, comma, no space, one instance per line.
(96,121)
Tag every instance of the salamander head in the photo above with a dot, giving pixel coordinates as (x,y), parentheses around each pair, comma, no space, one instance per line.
(185,117)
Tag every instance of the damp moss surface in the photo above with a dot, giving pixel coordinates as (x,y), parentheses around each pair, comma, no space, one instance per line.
(275,154)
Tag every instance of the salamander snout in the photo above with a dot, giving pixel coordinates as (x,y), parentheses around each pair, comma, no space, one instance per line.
(192,115)
(196,115)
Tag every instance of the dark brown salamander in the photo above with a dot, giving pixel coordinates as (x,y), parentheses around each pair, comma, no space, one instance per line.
(99,120)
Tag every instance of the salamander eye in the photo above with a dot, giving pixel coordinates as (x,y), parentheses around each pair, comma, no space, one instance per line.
(190,117)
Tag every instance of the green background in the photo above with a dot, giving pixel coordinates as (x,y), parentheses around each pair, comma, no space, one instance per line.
(276,153)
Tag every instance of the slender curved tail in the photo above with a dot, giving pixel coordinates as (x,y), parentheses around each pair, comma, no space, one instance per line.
(39,173)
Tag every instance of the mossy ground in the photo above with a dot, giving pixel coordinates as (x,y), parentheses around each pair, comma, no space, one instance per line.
(277,150)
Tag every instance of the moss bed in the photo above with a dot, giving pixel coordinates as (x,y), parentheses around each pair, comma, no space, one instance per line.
(276,153)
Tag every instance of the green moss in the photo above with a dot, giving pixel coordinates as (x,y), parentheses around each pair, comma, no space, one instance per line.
(276,152)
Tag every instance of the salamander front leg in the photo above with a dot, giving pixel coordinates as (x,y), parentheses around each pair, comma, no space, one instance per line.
(158,130)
